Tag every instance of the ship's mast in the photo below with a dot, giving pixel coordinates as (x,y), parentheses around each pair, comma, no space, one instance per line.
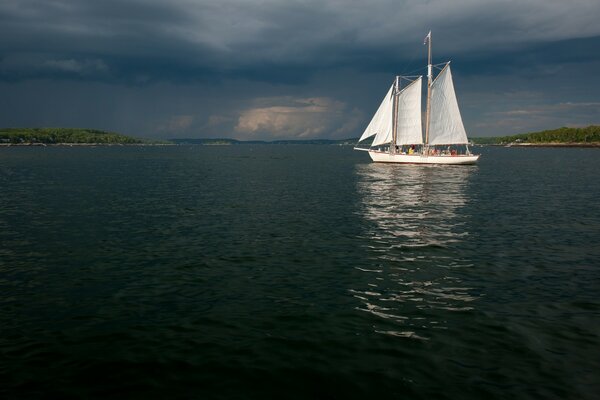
(395,116)
(429,80)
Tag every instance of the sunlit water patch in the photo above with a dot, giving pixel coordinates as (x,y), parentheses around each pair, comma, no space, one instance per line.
(413,242)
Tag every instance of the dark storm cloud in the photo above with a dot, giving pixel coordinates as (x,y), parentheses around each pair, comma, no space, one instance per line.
(132,40)
(137,41)
(337,53)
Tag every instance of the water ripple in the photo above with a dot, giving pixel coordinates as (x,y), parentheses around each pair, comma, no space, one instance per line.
(297,272)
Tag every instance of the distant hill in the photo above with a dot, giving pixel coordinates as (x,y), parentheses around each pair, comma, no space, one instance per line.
(63,135)
(588,135)
(24,136)
(209,142)
(217,142)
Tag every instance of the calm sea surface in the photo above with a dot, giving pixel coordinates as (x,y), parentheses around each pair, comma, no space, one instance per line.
(298,271)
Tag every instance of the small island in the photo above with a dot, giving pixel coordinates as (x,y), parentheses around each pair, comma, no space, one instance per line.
(562,137)
(62,136)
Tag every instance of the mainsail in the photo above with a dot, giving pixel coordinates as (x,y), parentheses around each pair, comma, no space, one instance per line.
(445,126)
(381,124)
(409,114)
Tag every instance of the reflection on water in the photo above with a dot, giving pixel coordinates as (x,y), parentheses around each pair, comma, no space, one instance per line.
(413,233)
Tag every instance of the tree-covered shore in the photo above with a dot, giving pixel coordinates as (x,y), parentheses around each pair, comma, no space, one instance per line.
(563,136)
(23,136)
(588,136)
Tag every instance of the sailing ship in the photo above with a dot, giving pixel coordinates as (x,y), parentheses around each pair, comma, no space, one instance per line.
(397,125)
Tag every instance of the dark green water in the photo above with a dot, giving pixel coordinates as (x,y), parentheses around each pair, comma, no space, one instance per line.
(298,272)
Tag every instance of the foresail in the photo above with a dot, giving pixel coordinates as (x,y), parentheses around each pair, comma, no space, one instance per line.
(409,114)
(381,124)
(445,126)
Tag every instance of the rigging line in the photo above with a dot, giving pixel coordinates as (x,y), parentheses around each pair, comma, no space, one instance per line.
(409,64)
(410,78)
(416,70)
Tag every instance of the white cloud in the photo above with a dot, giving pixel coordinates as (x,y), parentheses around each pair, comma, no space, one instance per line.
(288,117)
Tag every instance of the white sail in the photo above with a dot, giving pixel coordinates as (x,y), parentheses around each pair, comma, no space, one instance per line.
(385,134)
(381,124)
(445,126)
(409,114)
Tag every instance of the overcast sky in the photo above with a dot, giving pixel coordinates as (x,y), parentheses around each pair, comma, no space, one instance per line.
(265,69)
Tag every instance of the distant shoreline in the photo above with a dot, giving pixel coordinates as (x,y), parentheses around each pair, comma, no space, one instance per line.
(561,137)
(594,144)
(36,144)
(588,137)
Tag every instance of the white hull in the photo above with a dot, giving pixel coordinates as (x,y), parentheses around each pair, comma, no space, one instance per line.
(379,156)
